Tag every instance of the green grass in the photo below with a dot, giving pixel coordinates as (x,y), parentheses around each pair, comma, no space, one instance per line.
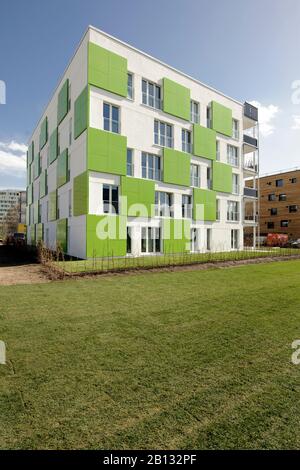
(121,264)
(196,359)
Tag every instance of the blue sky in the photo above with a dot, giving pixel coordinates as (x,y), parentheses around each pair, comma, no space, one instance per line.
(248,50)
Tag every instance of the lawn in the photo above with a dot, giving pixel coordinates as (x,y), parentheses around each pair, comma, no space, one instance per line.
(195,359)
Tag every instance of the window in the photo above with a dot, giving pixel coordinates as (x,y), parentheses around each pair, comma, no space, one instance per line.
(282,197)
(129,170)
(195,239)
(70,203)
(235,184)
(151,240)
(270,225)
(128,243)
(284,223)
(233,211)
(217,209)
(130,86)
(151,94)
(208,116)
(195,114)
(272,197)
(209,178)
(195,175)
(151,166)
(163,134)
(279,183)
(186,141)
(208,239)
(273,211)
(110,196)
(111,118)
(293,180)
(70,131)
(218,155)
(235,129)
(234,239)
(293,208)
(163,204)
(186,206)
(232,155)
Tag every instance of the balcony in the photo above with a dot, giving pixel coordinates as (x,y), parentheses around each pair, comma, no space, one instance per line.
(233,216)
(250,115)
(250,143)
(250,219)
(250,192)
(250,164)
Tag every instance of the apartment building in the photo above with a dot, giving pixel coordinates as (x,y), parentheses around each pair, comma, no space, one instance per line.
(10,199)
(132,157)
(280,203)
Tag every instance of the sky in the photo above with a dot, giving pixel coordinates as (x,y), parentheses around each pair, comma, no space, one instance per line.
(247,50)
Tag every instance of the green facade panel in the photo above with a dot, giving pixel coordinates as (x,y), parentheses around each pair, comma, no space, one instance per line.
(138,191)
(39,233)
(107,70)
(31,152)
(176,235)
(30,194)
(44,133)
(204,204)
(222,177)
(107,152)
(62,234)
(221,118)
(81,113)
(176,99)
(43,184)
(36,212)
(28,175)
(32,235)
(53,205)
(36,166)
(105,236)
(80,194)
(62,168)
(204,142)
(53,146)
(63,102)
(176,167)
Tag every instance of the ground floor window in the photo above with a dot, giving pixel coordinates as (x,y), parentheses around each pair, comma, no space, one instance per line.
(128,246)
(195,239)
(208,239)
(234,239)
(151,240)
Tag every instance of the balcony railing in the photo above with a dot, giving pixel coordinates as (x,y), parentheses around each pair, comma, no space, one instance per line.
(233,216)
(251,165)
(250,218)
(250,140)
(250,111)
(250,192)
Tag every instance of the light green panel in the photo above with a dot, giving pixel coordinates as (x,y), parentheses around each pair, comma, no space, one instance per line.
(36,166)
(222,177)
(80,194)
(32,234)
(204,204)
(53,146)
(36,212)
(114,245)
(107,152)
(81,113)
(107,70)
(53,205)
(176,235)
(39,232)
(138,191)
(176,99)
(27,221)
(221,118)
(63,102)
(44,133)
(176,167)
(62,234)
(62,168)
(43,184)
(30,194)
(31,152)
(205,143)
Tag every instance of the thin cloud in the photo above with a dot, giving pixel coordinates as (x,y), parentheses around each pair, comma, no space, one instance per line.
(13,159)
(266,116)
(296,120)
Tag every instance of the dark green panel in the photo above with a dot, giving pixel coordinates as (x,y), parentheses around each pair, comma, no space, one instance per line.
(62,168)
(53,205)
(44,133)
(80,194)
(81,113)
(63,102)
(53,146)
(43,184)
(62,234)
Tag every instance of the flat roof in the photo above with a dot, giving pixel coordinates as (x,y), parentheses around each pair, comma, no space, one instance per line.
(280,172)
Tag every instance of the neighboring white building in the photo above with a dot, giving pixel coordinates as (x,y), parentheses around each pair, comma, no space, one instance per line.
(12,198)
(123,124)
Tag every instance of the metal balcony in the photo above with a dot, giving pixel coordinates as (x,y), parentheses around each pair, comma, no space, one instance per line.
(250,111)
(250,192)
(250,144)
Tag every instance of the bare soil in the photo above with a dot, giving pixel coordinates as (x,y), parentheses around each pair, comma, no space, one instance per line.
(17,268)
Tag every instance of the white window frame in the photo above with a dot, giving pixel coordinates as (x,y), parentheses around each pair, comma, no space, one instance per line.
(110,201)
(233,213)
(130,89)
(131,165)
(162,209)
(235,183)
(235,129)
(232,159)
(195,116)
(157,173)
(186,206)
(110,120)
(162,139)
(195,179)
(151,100)
(186,140)
(153,231)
